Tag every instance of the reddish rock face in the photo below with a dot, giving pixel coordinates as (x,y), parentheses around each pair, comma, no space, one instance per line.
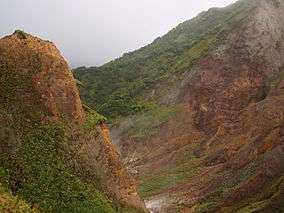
(99,161)
(46,79)
(229,127)
(37,87)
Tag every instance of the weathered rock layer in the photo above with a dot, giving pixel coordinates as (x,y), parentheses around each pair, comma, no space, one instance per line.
(225,147)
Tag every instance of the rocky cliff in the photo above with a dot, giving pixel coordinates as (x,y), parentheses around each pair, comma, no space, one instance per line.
(53,154)
(214,140)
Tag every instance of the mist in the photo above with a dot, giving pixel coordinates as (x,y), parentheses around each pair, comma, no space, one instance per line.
(92,32)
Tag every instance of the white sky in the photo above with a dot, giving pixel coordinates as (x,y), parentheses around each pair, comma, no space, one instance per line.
(92,32)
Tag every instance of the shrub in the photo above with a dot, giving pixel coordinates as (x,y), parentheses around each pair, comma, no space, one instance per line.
(43,178)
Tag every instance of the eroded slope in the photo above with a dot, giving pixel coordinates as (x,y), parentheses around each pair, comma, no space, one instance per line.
(207,133)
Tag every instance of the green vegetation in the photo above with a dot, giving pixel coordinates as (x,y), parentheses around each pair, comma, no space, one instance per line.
(34,158)
(79,83)
(14,89)
(153,183)
(125,86)
(269,199)
(225,188)
(145,124)
(92,119)
(40,175)
(21,34)
(204,207)
(11,203)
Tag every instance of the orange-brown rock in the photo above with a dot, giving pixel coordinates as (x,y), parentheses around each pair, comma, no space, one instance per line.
(97,160)
(39,67)
(37,87)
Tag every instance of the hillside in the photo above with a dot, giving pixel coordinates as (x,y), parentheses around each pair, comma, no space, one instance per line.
(125,86)
(198,114)
(54,155)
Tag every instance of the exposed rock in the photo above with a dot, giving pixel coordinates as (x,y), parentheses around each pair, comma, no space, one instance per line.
(229,126)
(97,160)
(37,87)
(48,81)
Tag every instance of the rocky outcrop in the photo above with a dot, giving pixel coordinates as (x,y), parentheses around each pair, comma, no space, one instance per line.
(37,88)
(37,75)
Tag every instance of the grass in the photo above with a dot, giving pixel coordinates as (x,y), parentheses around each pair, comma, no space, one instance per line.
(153,183)
(146,123)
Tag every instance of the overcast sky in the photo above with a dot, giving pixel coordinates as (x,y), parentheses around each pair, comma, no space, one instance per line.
(93,32)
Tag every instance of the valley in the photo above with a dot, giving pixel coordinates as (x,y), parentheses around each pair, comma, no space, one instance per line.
(195,116)
(191,123)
